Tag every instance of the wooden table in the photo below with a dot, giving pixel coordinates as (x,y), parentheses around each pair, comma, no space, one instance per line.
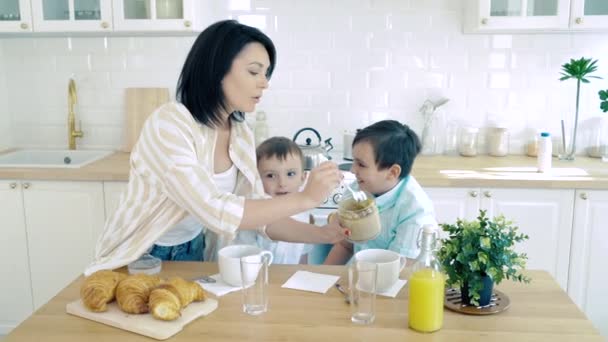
(540,311)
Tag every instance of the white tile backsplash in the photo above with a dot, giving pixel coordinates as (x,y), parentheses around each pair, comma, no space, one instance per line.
(342,64)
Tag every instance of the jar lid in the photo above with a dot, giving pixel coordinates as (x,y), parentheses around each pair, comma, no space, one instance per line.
(430,228)
(147,264)
(545,134)
(470,129)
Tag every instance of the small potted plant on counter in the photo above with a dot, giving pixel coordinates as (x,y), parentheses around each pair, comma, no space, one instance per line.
(479,254)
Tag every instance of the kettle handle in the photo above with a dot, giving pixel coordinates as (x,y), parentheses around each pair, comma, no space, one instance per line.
(328,142)
(307,129)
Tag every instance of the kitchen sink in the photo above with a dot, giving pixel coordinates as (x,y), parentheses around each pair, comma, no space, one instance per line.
(51,158)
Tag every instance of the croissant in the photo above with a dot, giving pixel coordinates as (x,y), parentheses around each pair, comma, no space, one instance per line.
(133,292)
(167,300)
(99,288)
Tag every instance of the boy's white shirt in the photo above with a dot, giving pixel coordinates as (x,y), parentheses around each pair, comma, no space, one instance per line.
(287,252)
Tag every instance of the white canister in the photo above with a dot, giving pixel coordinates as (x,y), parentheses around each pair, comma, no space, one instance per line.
(498,141)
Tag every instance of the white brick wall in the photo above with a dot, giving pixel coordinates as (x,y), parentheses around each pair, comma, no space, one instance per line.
(341,63)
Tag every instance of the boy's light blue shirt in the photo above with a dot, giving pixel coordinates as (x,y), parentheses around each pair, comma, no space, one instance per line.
(403,211)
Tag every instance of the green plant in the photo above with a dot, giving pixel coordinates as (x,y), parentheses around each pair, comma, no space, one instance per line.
(603,100)
(580,70)
(481,247)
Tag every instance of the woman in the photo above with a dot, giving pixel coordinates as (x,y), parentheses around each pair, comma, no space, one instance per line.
(197,157)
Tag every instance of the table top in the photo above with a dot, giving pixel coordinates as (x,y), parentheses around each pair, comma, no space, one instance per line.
(540,311)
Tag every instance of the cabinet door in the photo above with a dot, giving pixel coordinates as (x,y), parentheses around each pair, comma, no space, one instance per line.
(15,16)
(153,15)
(16,293)
(589,14)
(489,15)
(61,219)
(453,203)
(588,276)
(546,217)
(72,15)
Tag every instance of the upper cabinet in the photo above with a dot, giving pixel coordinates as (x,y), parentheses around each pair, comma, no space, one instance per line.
(15,16)
(482,16)
(589,14)
(153,15)
(70,16)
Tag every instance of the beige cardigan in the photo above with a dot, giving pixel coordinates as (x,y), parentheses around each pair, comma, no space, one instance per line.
(171,177)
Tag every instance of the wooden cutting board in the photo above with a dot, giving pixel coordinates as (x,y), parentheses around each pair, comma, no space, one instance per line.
(144,324)
(140,103)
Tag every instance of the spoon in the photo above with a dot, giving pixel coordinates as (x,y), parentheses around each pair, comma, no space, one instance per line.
(205,280)
(358,196)
(343,291)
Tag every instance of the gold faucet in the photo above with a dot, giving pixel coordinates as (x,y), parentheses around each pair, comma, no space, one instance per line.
(72,132)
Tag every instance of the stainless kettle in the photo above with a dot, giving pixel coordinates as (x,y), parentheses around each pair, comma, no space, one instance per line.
(314,154)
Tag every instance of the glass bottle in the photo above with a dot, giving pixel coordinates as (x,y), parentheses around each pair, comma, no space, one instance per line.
(426,285)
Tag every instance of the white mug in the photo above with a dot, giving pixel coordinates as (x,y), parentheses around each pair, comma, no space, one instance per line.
(390,264)
(229,261)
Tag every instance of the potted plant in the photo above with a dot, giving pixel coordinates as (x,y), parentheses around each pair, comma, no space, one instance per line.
(478,254)
(603,94)
(580,70)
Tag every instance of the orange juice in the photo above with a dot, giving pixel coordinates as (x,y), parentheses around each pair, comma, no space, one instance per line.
(426,300)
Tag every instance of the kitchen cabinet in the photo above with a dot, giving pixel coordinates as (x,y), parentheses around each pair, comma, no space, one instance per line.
(589,252)
(484,16)
(72,15)
(545,215)
(15,16)
(106,16)
(16,293)
(154,15)
(63,221)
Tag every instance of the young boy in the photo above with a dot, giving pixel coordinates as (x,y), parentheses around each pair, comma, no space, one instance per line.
(281,167)
(383,155)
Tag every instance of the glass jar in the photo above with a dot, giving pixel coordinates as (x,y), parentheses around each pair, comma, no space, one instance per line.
(532,143)
(598,139)
(467,144)
(361,217)
(498,141)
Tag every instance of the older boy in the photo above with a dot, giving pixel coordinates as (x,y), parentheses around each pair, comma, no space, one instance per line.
(281,168)
(383,155)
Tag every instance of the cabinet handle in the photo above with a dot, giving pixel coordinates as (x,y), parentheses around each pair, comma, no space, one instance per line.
(187,23)
(487,194)
(473,193)
(12,185)
(24,26)
(104,24)
(484,21)
(26,185)
(578,20)
(584,196)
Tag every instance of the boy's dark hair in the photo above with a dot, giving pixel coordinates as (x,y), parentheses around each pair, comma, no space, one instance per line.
(278,147)
(393,143)
(199,86)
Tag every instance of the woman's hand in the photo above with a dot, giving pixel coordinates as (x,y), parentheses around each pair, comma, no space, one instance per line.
(322,180)
(333,232)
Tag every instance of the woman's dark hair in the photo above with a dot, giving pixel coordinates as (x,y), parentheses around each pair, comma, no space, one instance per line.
(393,143)
(199,86)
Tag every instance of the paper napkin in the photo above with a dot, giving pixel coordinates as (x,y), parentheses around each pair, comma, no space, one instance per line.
(219,288)
(309,281)
(394,290)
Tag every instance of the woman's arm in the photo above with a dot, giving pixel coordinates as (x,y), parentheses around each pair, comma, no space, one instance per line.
(291,230)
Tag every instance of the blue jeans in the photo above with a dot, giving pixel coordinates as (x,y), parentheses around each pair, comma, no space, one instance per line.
(187,251)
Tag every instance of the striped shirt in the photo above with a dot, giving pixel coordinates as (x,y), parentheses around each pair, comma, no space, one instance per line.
(171,176)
